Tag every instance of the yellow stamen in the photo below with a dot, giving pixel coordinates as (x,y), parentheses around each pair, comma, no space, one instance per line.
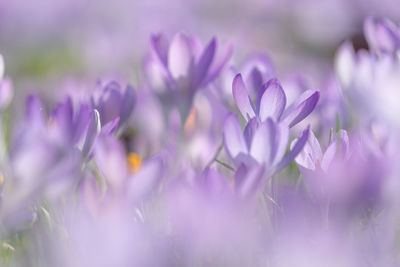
(1,179)
(134,161)
(190,121)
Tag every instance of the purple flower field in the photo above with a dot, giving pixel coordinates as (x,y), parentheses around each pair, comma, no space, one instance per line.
(200,133)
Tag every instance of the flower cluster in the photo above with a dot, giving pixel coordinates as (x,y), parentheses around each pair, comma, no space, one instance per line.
(207,162)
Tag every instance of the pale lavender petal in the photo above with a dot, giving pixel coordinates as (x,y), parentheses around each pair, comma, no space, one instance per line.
(110,127)
(302,110)
(180,58)
(218,64)
(35,112)
(328,156)
(315,146)
(304,159)
(202,67)
(344,143)
(242,97)
(255,80)
(271,100)
(297,148)
(382,35)
(110,103)
(196,47)
(233,138)
(345,64)
(299,98)
(311,154)
(81,122)
(127,105)
(250,129)
(159,46)
(281,142)
(262,145)
(62,121)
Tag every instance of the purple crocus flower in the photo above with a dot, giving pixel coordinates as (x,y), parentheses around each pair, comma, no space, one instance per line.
(186,63)
(382,35)
(256,70)
(183,66)
(349,180)
(44,163)
(271,103)
(113,102)
(260,143)
(311,158)
(369,81)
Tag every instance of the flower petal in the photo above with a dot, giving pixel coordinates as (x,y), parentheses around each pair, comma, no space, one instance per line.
(271,100)
(202,67)
(110,127)
(382,35)
(345,64)
(262,145)
(81,122)
(127,104)
(242,98)
(180,58)
(159,46)
(35,112)
(311,153)
(297,148)
(328,157)
(302,110)
(250,129)
(218,64)
(281,142)
(233,138)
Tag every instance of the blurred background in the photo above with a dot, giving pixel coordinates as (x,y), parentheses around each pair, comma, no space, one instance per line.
(45,41)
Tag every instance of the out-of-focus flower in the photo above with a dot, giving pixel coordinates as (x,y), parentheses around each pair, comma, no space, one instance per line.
(112,102)
(125,177)
(348,192)
(183,66)
(43,160)
(311,158)
(382,35)
(271,103)
(371,79)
